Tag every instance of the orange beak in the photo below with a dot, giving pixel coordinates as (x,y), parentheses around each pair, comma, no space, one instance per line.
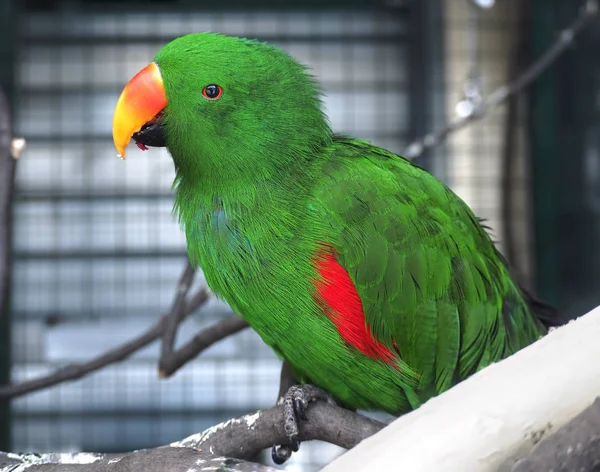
(141,100)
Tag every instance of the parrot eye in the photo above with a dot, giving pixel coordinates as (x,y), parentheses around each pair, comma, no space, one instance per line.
(212,92)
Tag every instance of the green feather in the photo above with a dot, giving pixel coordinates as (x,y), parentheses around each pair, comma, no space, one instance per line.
(448,346)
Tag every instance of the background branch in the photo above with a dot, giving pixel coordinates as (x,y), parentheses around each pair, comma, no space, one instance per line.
(8,164)
(199,343)
(176,314)
(509,159)
(119,353)
(168,323)
(500,95)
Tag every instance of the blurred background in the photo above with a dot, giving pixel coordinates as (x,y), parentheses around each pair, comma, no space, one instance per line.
(96,253)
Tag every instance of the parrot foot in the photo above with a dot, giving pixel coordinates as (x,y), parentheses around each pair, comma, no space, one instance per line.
(295,403)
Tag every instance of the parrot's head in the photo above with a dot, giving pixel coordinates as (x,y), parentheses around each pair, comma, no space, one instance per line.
(218,101)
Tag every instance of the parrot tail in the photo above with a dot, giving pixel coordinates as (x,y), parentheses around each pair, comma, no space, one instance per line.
(545,313)
(542,311)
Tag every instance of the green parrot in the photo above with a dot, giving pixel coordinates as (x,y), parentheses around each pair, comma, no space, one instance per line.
(367,275)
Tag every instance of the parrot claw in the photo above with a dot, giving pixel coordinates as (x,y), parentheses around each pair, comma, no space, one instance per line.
(280,454)
(295,403)
(300,409)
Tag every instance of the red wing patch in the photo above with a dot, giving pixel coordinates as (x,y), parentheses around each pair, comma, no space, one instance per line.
(344,308)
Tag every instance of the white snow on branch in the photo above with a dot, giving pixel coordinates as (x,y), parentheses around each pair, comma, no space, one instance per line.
(29,460)
(197,439)
(194,439)
(251,419)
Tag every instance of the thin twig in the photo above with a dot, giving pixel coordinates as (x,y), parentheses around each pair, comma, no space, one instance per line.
(121,352)
(565,39)
(199,343)
(170,359)
(176,313)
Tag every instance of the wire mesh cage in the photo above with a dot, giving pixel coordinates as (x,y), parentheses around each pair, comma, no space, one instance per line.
(97,251)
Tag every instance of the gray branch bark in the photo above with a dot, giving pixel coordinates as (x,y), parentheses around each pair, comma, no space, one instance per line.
(174,360)
(171,359)
(245,436)
(224,447)
(176,314)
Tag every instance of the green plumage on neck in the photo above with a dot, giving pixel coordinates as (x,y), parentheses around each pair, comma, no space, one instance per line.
(264,189)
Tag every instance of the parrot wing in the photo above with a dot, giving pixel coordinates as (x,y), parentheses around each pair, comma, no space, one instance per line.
(434,289)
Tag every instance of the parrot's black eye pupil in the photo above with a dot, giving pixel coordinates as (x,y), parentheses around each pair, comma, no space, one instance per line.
(212,91)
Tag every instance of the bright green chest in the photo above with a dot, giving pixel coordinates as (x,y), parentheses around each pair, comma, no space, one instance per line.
(222,245)
(247,260)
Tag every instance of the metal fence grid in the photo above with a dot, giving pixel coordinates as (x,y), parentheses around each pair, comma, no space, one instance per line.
(97,252)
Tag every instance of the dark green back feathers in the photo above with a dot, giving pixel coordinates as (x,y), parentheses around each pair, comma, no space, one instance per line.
(429,276)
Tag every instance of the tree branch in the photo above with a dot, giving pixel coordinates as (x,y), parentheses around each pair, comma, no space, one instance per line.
(516,61)
(243,437)
(171,360)
(501,412)
(500,95)
(224,445)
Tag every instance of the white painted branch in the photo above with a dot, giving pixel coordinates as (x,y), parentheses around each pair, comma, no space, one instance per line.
(496,416)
